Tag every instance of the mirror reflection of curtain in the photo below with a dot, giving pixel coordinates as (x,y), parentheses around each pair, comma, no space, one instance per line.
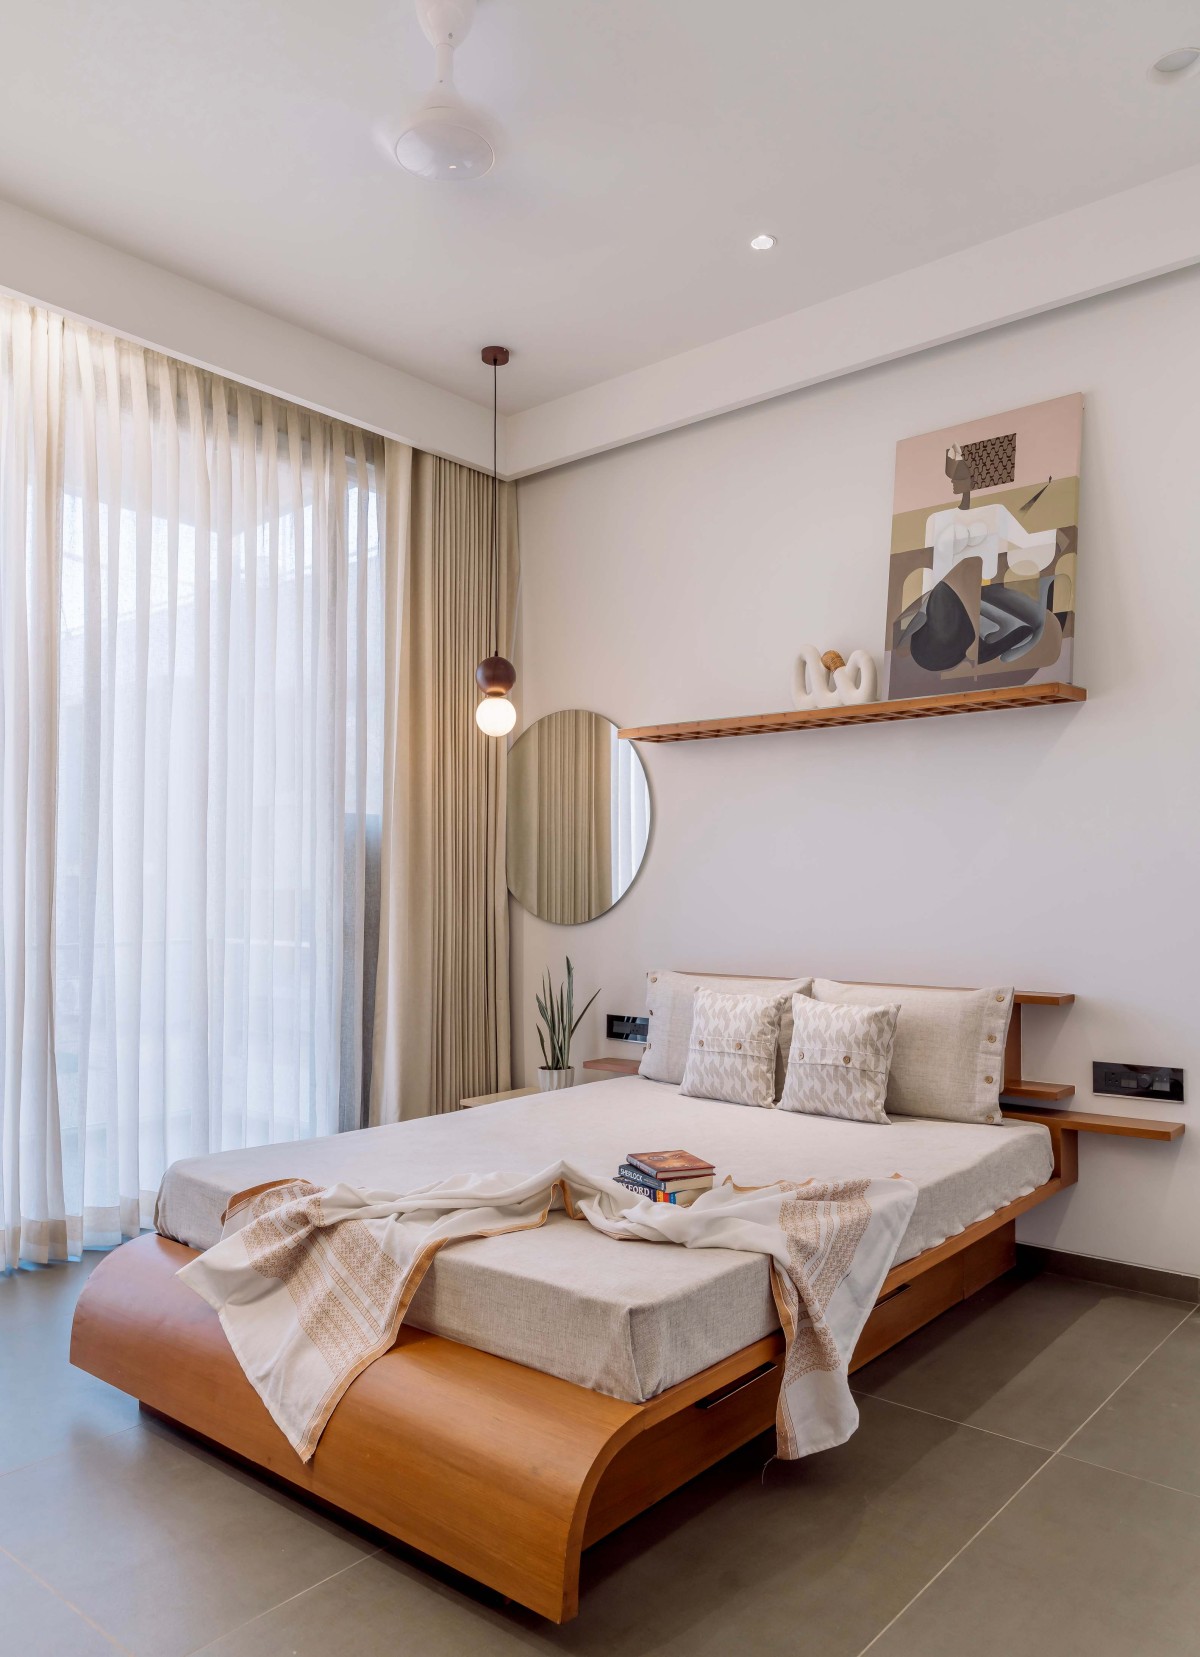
(572,767)
(578,817)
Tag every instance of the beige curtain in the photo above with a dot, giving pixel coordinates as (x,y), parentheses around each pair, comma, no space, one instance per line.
(442,1030)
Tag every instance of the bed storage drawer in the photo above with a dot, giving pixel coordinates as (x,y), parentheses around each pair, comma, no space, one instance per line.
(904,1309)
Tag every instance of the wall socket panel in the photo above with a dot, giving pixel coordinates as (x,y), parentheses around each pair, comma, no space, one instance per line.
(626,1027)
(1138,1081)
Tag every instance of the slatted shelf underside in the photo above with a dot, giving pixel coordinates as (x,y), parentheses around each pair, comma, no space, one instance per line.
(865,713)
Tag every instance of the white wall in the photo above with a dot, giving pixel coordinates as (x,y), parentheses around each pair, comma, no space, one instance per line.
(53,266)
(1052,848)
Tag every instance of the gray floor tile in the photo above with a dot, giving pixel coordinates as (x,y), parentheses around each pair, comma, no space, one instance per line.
(1151,1427)
(36,1623)
(48,1406)
(817,1555)
(165,1546)
(1084,1563)
(40,1299)
(385,1605)
(1029,1357)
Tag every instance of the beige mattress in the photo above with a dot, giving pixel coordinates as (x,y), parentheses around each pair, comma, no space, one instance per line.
(625,1318)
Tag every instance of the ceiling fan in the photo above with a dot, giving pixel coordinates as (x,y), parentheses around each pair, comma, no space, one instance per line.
(444,138)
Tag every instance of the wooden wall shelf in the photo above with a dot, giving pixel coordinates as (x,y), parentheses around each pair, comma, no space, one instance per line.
(1042,1093)
(863,713)
(1082,1121)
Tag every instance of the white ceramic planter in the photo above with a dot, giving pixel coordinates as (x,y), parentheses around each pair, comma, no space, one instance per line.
(550,1080)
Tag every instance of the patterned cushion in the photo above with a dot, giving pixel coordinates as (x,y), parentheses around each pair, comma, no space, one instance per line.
(731,1054)
(949,1055)
(669,998)
(839,1060)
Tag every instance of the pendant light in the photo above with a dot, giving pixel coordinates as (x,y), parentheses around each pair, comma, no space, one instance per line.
(495,675)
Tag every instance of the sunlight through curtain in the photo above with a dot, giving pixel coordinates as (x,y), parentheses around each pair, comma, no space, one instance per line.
(191,661)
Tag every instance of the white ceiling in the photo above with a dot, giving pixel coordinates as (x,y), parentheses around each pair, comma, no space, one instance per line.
(642,142)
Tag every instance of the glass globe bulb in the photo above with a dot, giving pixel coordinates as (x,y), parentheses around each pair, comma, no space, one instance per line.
(495,716)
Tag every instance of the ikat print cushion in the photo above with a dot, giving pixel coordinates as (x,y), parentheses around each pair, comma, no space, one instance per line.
(839,1060)
(731,1052)
(669,1004)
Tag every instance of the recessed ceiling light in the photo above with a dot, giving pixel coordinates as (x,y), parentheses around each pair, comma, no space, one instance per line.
(1175,66)
(760,244)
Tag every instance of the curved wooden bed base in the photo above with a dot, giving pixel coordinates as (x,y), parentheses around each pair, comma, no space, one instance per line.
(502,1472)
(491,1467)
(497,1470)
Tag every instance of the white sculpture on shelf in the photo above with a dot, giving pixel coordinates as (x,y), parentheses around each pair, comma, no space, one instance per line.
(829,681)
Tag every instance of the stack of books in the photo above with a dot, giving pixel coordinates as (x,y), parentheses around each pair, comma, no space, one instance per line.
(666,1176)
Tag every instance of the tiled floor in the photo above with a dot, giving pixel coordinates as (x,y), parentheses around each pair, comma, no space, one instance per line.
(1026,1479)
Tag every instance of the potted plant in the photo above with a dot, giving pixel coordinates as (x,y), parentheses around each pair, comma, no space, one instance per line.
(557,1024)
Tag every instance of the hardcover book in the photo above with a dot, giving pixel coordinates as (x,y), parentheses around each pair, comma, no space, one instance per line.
(652,1194)
(693,1182)
(670,1164)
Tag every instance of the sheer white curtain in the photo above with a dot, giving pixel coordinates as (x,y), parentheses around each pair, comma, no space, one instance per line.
(190,773)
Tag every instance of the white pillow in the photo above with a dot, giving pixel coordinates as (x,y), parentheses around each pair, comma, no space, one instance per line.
(731,1053)
(948,1055)
(669,998)
(839,1060)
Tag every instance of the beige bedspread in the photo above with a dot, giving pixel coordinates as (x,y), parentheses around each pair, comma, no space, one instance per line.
(634,1320)
(312,1286)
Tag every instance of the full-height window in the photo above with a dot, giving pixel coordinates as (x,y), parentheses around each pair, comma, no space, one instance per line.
(191,739)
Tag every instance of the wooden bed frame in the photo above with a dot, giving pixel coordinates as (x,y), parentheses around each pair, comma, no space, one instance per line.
(499,1471)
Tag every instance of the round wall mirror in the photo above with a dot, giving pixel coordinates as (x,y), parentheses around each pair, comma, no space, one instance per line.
(578,817)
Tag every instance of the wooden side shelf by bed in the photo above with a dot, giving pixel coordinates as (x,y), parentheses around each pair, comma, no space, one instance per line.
(1081,1121)
(1015,1084)
(1043,1093)
(862,713)
(614,1067)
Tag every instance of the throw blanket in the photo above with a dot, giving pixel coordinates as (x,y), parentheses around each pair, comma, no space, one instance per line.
(311,1286)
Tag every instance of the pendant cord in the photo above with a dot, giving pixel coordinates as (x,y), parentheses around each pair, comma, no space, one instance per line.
(495,509)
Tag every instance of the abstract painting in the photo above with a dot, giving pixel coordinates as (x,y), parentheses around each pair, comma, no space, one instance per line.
(981,589)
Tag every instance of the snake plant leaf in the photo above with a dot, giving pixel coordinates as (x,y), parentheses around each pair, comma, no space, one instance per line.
(559,1022)
(580,1019)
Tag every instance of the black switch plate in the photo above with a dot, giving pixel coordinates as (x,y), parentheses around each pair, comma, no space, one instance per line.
(1138,1081)
(626,1027)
